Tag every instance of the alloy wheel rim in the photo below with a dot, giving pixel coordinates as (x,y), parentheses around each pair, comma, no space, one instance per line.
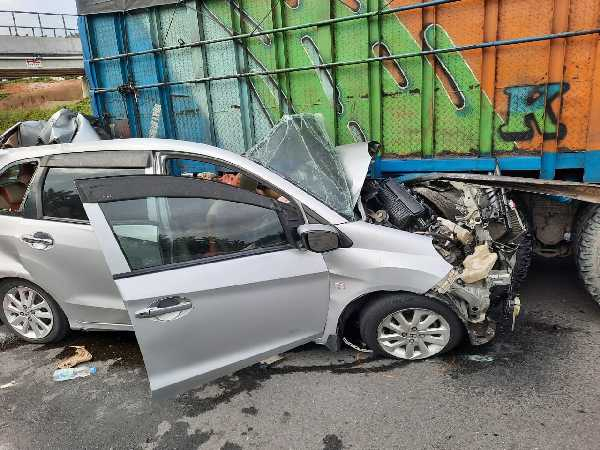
(413,333)
(28,312)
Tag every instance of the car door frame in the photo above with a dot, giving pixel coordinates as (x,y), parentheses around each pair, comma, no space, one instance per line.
(89,197)
(35,209)
(11,266)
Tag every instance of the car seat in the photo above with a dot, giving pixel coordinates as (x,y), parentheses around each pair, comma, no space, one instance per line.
(11,196)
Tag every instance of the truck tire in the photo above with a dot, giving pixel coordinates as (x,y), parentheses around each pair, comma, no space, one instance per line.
(583,215)
(587,251)
(499,294)
(523,262)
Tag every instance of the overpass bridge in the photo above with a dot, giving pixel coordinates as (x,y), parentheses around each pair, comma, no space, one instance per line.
(39,44)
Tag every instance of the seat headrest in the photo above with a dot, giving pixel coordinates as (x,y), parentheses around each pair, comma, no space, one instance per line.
(13,192)
(4,204)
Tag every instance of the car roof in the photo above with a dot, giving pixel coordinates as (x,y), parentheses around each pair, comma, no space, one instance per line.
(8,156)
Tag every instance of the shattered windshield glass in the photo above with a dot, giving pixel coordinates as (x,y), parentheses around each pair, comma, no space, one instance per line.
(299,150)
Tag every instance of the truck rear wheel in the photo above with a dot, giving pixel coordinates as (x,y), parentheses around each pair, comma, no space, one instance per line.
(587,251)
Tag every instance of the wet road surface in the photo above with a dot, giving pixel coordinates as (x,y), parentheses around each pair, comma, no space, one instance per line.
(538,387)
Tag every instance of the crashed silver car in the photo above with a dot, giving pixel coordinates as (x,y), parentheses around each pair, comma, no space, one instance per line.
(222,260)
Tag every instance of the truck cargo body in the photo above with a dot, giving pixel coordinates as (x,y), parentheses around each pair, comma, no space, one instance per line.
(444,85)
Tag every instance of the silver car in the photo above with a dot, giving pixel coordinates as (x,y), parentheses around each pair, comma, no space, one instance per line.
(218,260)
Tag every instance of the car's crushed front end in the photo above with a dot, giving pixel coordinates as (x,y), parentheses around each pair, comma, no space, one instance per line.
(478,231)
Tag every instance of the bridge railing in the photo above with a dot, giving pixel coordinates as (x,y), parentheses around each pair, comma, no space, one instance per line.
(40,24)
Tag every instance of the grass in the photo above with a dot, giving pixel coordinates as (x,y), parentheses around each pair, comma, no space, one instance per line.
(11,116)
(42,79)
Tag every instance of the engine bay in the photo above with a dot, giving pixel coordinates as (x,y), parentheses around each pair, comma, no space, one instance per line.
(478,230)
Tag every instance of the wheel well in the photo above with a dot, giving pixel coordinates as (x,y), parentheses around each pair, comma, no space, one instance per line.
(350,316)
(348,323)
(9,279)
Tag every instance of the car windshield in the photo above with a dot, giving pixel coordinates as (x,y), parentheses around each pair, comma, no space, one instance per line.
(299,150)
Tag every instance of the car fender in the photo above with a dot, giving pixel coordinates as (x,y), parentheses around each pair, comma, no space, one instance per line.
(380,259)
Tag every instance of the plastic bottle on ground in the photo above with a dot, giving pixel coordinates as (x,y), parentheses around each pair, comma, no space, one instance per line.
(73,372)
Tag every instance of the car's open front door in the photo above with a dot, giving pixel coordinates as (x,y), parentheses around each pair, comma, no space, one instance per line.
(208,272)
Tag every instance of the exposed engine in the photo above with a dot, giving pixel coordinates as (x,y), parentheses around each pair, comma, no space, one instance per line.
(476,229)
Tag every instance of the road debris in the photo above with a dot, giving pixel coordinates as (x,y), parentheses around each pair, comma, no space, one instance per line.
(480,358)
(81,355)
(356,347)
(272,360)
(7,385)
(72,373)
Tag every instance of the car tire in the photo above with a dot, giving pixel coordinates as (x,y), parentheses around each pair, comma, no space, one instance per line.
(45,311)
(587,253)
(438,330)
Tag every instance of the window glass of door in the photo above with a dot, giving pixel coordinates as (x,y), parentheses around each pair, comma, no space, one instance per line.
(222,174)
(192,229)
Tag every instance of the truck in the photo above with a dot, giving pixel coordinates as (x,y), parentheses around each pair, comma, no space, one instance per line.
(510,87)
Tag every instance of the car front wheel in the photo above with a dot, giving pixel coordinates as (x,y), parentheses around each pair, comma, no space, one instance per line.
(31,313)
(410,326)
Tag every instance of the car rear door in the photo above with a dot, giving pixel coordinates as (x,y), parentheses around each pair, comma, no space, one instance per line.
(209,274)
(56,244)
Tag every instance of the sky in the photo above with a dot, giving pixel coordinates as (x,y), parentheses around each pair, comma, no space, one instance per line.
(59,6)
(53,6)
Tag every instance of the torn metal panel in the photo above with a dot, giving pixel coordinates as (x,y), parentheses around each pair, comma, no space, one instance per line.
(579,191)
(62,127)
(479,333)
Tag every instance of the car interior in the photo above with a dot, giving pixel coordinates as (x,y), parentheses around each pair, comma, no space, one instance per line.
(13,185)
(207,171)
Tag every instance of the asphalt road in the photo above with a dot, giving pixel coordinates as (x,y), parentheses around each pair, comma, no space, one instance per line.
(538,387)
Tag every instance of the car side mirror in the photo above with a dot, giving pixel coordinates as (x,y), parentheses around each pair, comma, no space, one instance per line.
(322,238)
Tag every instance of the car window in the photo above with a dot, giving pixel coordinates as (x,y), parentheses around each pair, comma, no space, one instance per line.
(59,198)
(14,182)
(228,175)
(191,229)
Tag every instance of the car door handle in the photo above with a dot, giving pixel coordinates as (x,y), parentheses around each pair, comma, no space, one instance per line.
(39,240)
(158,309)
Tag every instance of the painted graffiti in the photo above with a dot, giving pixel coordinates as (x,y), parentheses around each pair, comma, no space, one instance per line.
(325,77)
(391,65)
(530,111)
(414,104)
